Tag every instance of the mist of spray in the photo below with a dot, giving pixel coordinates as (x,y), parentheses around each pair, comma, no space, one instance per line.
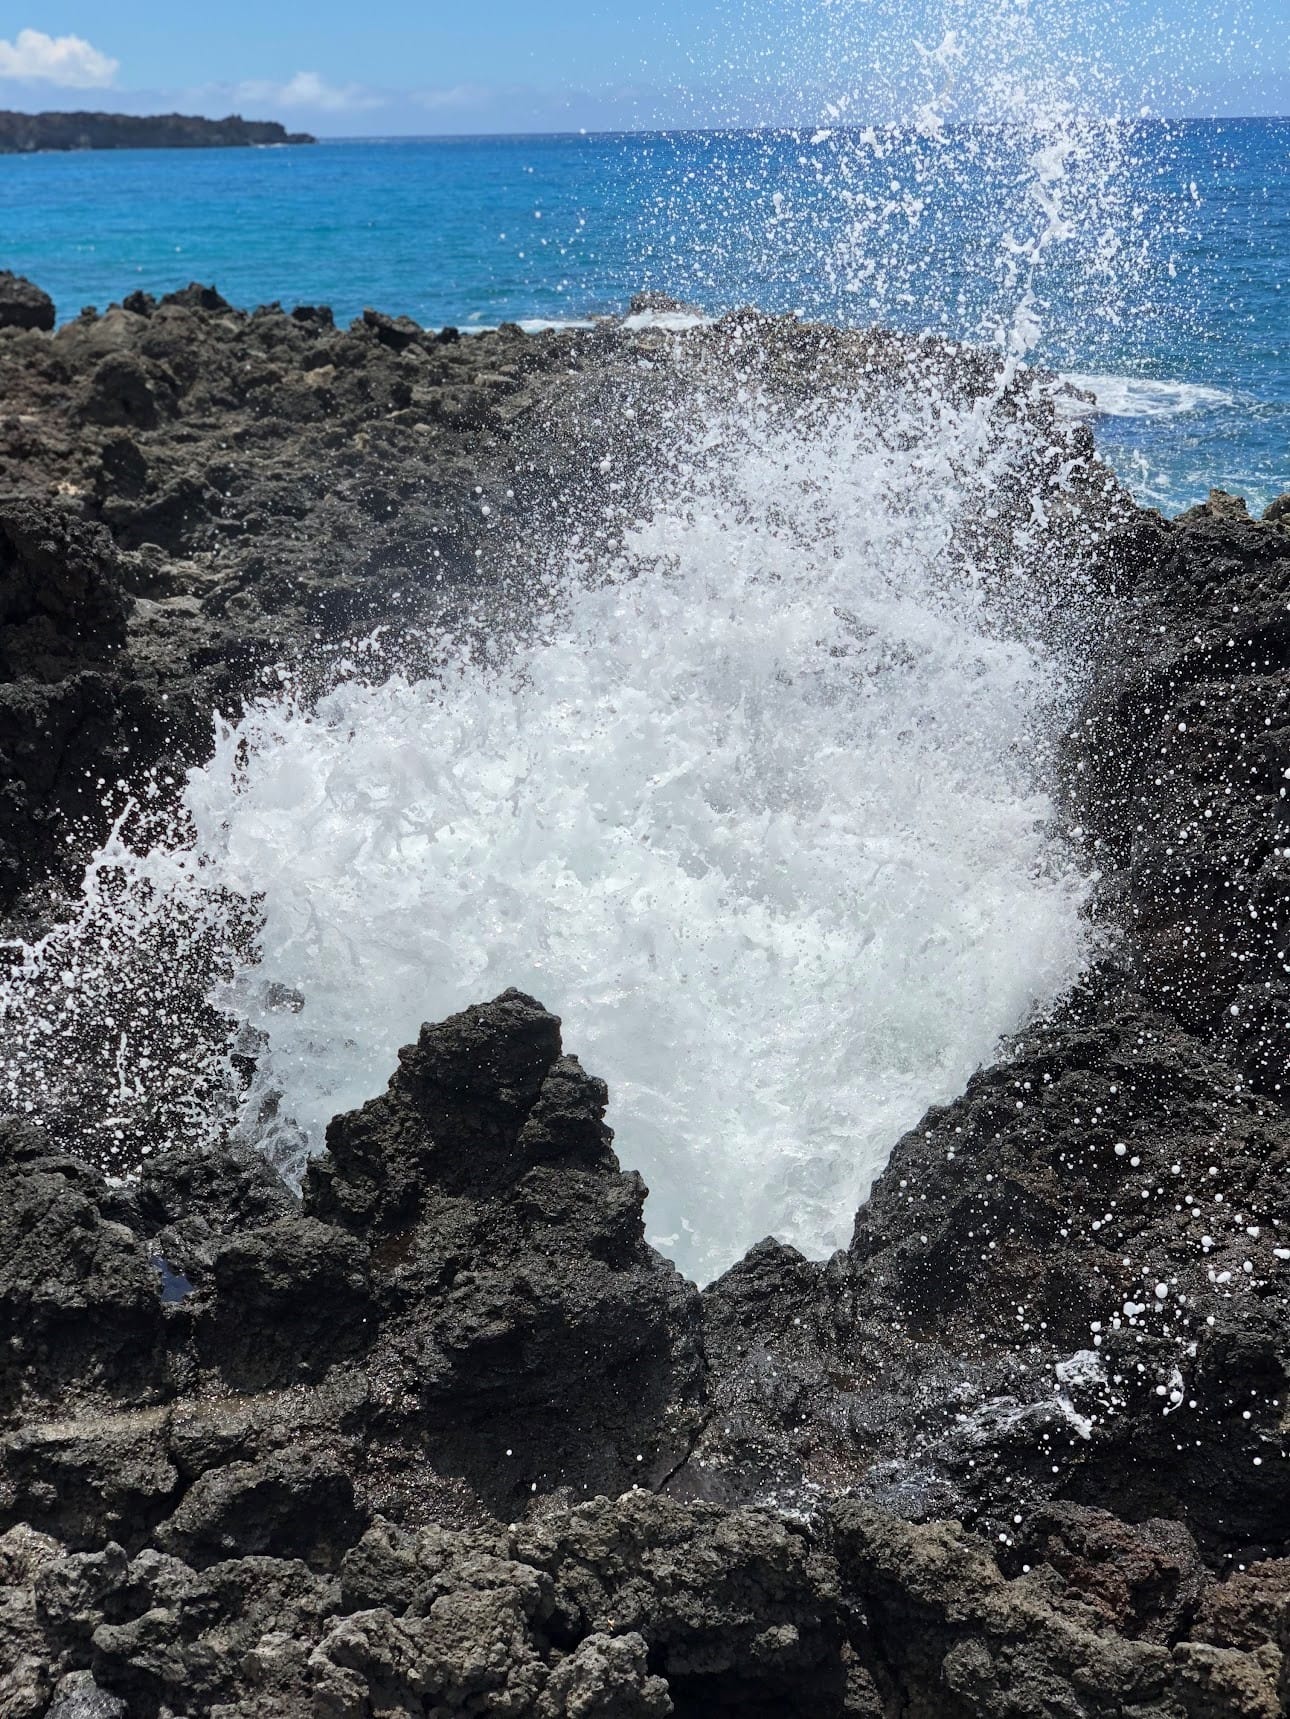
(758,809)
(976,169)
(758,804)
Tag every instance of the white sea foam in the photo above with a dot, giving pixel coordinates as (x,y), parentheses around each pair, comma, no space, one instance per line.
(669,321)
(761,815)
(760,809)
(544,324)
(1140,397)
(529,324)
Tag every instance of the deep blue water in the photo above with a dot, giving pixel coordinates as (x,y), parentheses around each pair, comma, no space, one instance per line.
(1169,282)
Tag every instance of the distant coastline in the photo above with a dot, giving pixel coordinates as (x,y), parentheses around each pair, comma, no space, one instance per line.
(27,133)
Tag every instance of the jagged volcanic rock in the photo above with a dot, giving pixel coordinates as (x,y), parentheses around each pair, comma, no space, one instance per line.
(1185,751)
(444,1435)
(523,1321)
(1069,1284)
(23,304)
(462,1325)
(465,1297)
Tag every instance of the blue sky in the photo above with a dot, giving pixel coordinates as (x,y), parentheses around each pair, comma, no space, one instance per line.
(421,66)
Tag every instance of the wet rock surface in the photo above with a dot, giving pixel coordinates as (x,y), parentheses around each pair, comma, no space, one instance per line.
(443,1434)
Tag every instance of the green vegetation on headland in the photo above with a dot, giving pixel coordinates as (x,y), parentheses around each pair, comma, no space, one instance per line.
(24,133)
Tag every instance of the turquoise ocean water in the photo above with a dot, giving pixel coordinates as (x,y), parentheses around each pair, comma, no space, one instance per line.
(1167,293)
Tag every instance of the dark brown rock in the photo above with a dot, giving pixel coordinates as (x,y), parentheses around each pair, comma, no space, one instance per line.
(294,1503)
(1142,1580)
(1020,1448)
(290,1300)
(61,605)
(78,1298)
(519,1298)
(23,304)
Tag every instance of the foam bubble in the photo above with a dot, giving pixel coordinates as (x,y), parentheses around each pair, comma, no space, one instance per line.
(668,321)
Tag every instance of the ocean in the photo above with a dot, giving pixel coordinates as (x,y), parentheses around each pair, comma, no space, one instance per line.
(1155,275)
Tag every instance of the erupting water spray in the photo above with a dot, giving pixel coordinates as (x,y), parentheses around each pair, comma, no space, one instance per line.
(759,806)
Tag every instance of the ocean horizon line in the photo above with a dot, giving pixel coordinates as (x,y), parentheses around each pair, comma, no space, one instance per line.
(832,129)
(608,134)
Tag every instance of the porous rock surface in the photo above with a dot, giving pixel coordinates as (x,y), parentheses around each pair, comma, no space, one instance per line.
(442,1434)
(432,1439)
(23,304)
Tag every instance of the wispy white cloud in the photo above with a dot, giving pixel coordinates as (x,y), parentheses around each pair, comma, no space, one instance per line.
(526,107)
(455,99)
(309,90)
(68,61)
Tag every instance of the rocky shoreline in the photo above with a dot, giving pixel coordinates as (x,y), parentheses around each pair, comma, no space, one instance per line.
(442,1434)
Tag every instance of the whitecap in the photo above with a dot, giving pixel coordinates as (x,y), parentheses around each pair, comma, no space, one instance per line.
(1139,397)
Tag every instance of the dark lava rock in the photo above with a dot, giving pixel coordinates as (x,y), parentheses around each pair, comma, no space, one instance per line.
(176,1639)
(78,1696)
(294,1502)
(218,1551)
(396,332)
(226,1192)
(1181,766)
(67,724)
(61,604)
(290,1300)
(740,1611)
(635,1607)
(1071,1284)
(536,1337)
(195,296)
(467,1293)
(444,1435)
(78,1298)
(125,391)
(1145,1579)
(949,1636)
(23,304)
